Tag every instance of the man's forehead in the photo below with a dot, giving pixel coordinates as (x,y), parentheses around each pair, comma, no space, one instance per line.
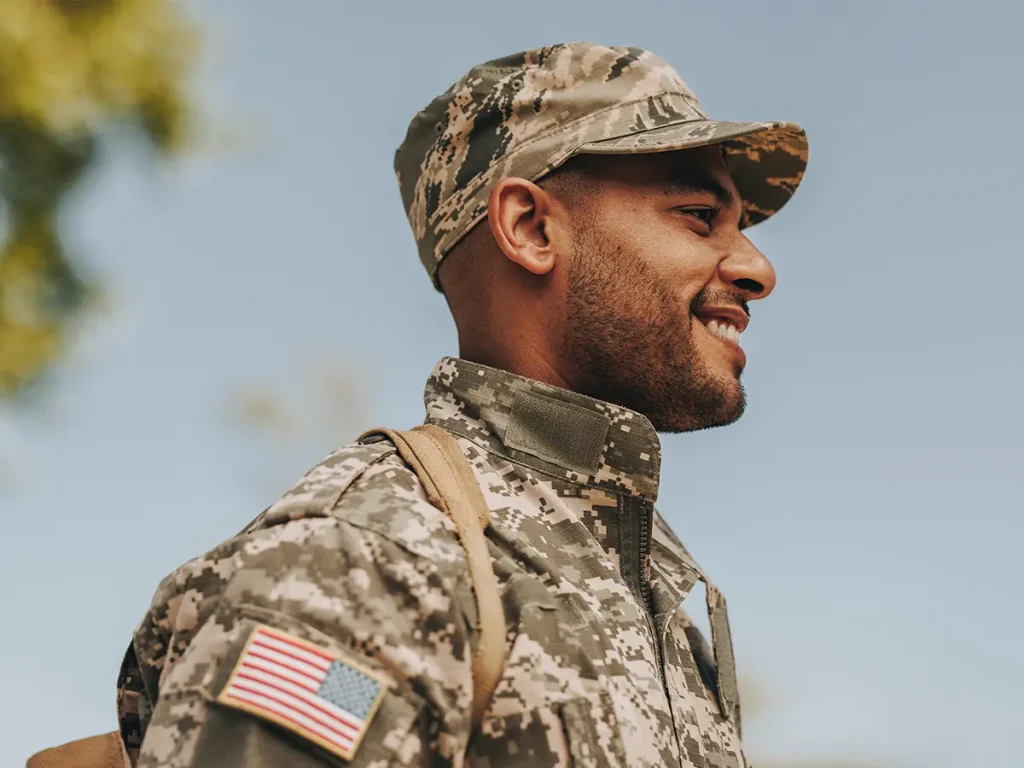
(700,161)
(700,168)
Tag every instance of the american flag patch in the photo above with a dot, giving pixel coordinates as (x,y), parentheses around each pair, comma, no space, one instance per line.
(305,689)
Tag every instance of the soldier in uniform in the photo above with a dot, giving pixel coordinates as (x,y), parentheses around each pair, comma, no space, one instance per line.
(585,221)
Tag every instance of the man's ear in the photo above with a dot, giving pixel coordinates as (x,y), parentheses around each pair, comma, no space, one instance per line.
(519,214)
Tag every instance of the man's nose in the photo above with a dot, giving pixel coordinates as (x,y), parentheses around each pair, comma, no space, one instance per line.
(748,269)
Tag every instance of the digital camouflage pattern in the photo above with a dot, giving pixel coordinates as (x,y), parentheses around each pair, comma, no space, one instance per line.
(603,668)
(525,114)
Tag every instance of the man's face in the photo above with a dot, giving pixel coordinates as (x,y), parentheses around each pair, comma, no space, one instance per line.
(660,279)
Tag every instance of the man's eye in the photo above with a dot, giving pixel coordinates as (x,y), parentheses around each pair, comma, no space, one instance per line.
(706,215)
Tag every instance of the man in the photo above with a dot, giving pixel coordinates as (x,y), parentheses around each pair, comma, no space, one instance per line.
(584,220)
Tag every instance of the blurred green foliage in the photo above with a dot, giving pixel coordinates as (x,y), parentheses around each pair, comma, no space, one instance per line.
(71,73)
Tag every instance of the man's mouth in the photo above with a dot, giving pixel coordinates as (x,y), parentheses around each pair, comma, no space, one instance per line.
(727,323)
(723,330)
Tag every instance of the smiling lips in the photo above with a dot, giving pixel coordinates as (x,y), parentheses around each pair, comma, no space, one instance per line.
(727,323)
(724,330)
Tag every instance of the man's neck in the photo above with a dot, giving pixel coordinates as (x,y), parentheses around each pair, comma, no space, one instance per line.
(526,359)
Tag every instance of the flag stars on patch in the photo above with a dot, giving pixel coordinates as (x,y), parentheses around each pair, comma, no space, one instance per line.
(347,687)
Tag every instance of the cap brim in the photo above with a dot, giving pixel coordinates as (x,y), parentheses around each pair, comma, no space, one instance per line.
(766,160)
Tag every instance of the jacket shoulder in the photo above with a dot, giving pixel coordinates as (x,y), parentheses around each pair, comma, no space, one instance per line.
(360,511)
(360,487)
(370,487)
(321,488)
(353,557)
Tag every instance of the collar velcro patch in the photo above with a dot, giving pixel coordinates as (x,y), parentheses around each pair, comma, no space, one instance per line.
(305,689)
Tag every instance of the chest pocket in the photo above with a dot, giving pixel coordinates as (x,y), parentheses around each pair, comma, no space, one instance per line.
(551,706)
(592,734)
(577,733)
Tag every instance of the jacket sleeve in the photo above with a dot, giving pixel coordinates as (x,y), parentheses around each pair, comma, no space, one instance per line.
(352,595)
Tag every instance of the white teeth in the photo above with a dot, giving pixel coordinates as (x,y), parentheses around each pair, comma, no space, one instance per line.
(724,331)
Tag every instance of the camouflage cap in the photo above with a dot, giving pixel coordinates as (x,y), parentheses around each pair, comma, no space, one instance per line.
(526,114)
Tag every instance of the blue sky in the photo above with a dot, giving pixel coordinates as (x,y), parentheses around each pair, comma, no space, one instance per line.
(863,517)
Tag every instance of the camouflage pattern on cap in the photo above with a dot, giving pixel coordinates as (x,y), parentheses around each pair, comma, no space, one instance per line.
(526,114)
(603,668)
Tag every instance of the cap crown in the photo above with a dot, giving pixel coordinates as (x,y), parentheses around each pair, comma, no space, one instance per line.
(524,115)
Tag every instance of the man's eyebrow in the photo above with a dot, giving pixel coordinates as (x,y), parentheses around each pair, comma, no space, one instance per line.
(690,180)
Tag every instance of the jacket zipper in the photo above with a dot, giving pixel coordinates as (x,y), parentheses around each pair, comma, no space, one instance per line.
(635,547)
(644,516)
(643,552)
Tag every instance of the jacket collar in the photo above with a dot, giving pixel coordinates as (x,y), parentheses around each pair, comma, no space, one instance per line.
(555,431)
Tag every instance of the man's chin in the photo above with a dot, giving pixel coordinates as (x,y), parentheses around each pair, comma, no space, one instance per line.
(712,407)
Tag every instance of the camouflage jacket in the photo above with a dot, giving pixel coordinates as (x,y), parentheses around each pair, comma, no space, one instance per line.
(603,666)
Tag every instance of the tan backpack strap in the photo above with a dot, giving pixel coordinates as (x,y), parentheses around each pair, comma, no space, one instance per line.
(103,751)
(451,486)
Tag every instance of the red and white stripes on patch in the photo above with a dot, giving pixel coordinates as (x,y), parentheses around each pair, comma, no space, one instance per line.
(280,678)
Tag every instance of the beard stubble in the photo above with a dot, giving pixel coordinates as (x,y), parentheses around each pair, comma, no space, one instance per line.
(631,342)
